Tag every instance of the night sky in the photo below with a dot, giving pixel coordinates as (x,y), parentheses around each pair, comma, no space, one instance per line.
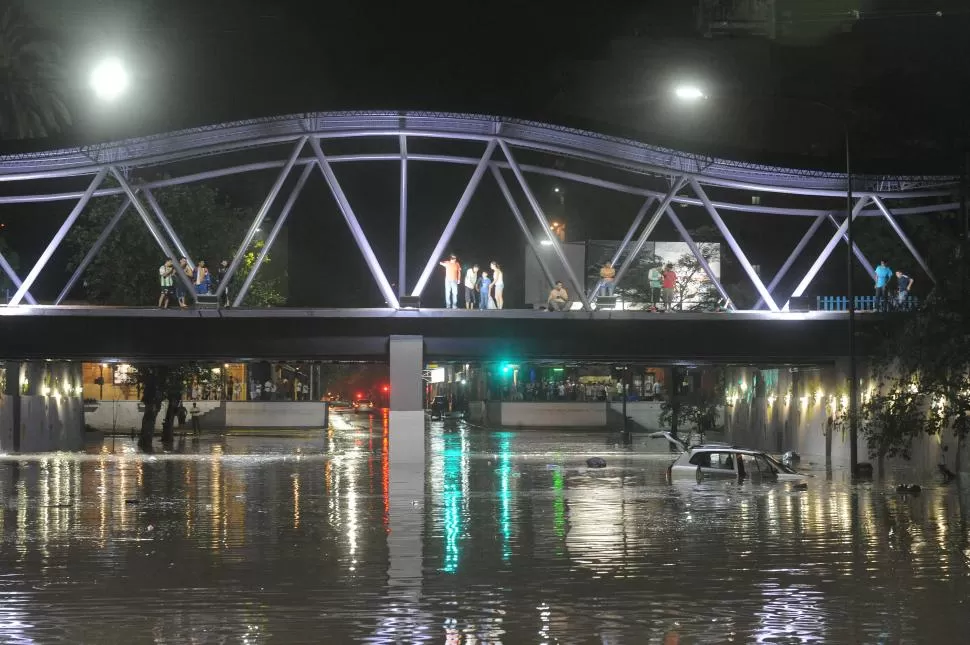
(605,66)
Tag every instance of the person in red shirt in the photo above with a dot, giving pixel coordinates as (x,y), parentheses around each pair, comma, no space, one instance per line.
(669,286)
(452,276)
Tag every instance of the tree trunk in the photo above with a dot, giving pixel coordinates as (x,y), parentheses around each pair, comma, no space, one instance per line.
(168,424)
(150,400)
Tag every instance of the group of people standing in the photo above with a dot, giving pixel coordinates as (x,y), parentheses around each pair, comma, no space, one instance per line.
(481,290)
(199,275)
(903,285)
(663,283)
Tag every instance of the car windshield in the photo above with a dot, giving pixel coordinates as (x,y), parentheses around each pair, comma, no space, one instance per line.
(782,468)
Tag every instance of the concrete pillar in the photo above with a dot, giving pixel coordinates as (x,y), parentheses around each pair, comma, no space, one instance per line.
(406,439)
(407,364)
(10,419)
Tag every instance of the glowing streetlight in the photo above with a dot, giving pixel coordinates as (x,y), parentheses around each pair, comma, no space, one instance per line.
(109,79)
(689,93)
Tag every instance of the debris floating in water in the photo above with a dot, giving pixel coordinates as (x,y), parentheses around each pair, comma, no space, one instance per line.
(909,488)
(596,462)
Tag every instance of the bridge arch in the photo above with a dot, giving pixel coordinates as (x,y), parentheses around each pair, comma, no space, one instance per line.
(608,162)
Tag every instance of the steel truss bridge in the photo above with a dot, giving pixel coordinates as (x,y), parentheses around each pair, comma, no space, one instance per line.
(503,141)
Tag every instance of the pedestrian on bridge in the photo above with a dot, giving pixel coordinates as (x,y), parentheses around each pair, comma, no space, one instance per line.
(221,273)
(203,281)
(471,287)
(904,283)
(655,278)
(608,278)
(498,286)
(669,286)
(883,275)
(166,277)
(185,268)
(484,291)
(452,277)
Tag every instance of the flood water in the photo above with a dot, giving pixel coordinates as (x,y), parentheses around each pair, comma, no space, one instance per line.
(250,539)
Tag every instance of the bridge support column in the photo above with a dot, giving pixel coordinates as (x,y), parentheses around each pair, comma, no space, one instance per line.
(10,408)
(407,363)
(406,485)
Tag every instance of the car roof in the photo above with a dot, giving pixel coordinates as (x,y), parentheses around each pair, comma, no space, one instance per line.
(713,447)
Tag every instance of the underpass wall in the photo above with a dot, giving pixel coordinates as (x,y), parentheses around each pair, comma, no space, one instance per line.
(46,398)
(796,409)
(6,423)
(51,423)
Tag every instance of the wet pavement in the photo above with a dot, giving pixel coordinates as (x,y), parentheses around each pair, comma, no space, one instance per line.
(251,539)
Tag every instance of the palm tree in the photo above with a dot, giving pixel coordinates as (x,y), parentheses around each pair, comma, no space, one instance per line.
(31,103)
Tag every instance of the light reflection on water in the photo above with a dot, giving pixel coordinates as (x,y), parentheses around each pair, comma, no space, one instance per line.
(262,539)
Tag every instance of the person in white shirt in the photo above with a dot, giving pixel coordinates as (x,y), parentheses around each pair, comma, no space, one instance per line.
(471,279)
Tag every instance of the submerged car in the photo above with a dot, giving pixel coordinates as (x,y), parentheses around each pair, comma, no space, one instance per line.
(724,461)
(364,406)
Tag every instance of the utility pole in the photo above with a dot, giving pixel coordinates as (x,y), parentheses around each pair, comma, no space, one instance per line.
(853,377)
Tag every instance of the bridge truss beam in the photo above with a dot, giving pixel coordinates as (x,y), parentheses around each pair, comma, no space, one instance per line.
(569,146)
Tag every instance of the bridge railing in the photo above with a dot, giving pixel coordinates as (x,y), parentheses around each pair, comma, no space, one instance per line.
(868,303)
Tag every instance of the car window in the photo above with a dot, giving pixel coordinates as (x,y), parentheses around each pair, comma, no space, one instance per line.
(716,460)
(763,465)
(722,460)
(702,459)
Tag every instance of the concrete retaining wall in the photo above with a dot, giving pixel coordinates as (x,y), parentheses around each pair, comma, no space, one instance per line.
(644,415)
(547,415)
(124,416)
(46,423)
(273,414)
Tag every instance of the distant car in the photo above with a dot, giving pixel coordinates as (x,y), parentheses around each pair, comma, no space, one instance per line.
(439,405)
(364,406)
(341,406)
(724,461)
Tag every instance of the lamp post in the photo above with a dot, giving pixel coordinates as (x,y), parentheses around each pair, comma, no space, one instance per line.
(692,93)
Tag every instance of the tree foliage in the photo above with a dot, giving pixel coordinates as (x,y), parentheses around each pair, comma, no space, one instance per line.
(31,78)
(125,272)
(161,383)
(698,411)
(14,261)
(921,367)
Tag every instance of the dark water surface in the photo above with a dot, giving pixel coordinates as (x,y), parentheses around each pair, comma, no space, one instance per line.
(253,540)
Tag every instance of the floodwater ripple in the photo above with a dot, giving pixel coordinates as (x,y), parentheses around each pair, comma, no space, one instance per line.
(513,540)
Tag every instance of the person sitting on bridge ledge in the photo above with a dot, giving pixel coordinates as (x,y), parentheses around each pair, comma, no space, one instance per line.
(558,298)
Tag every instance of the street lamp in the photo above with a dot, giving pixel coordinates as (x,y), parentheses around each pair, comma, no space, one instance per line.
(691,93)
(109,79)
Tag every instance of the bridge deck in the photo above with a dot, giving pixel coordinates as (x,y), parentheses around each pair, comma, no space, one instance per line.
(403,314)
(107,333)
